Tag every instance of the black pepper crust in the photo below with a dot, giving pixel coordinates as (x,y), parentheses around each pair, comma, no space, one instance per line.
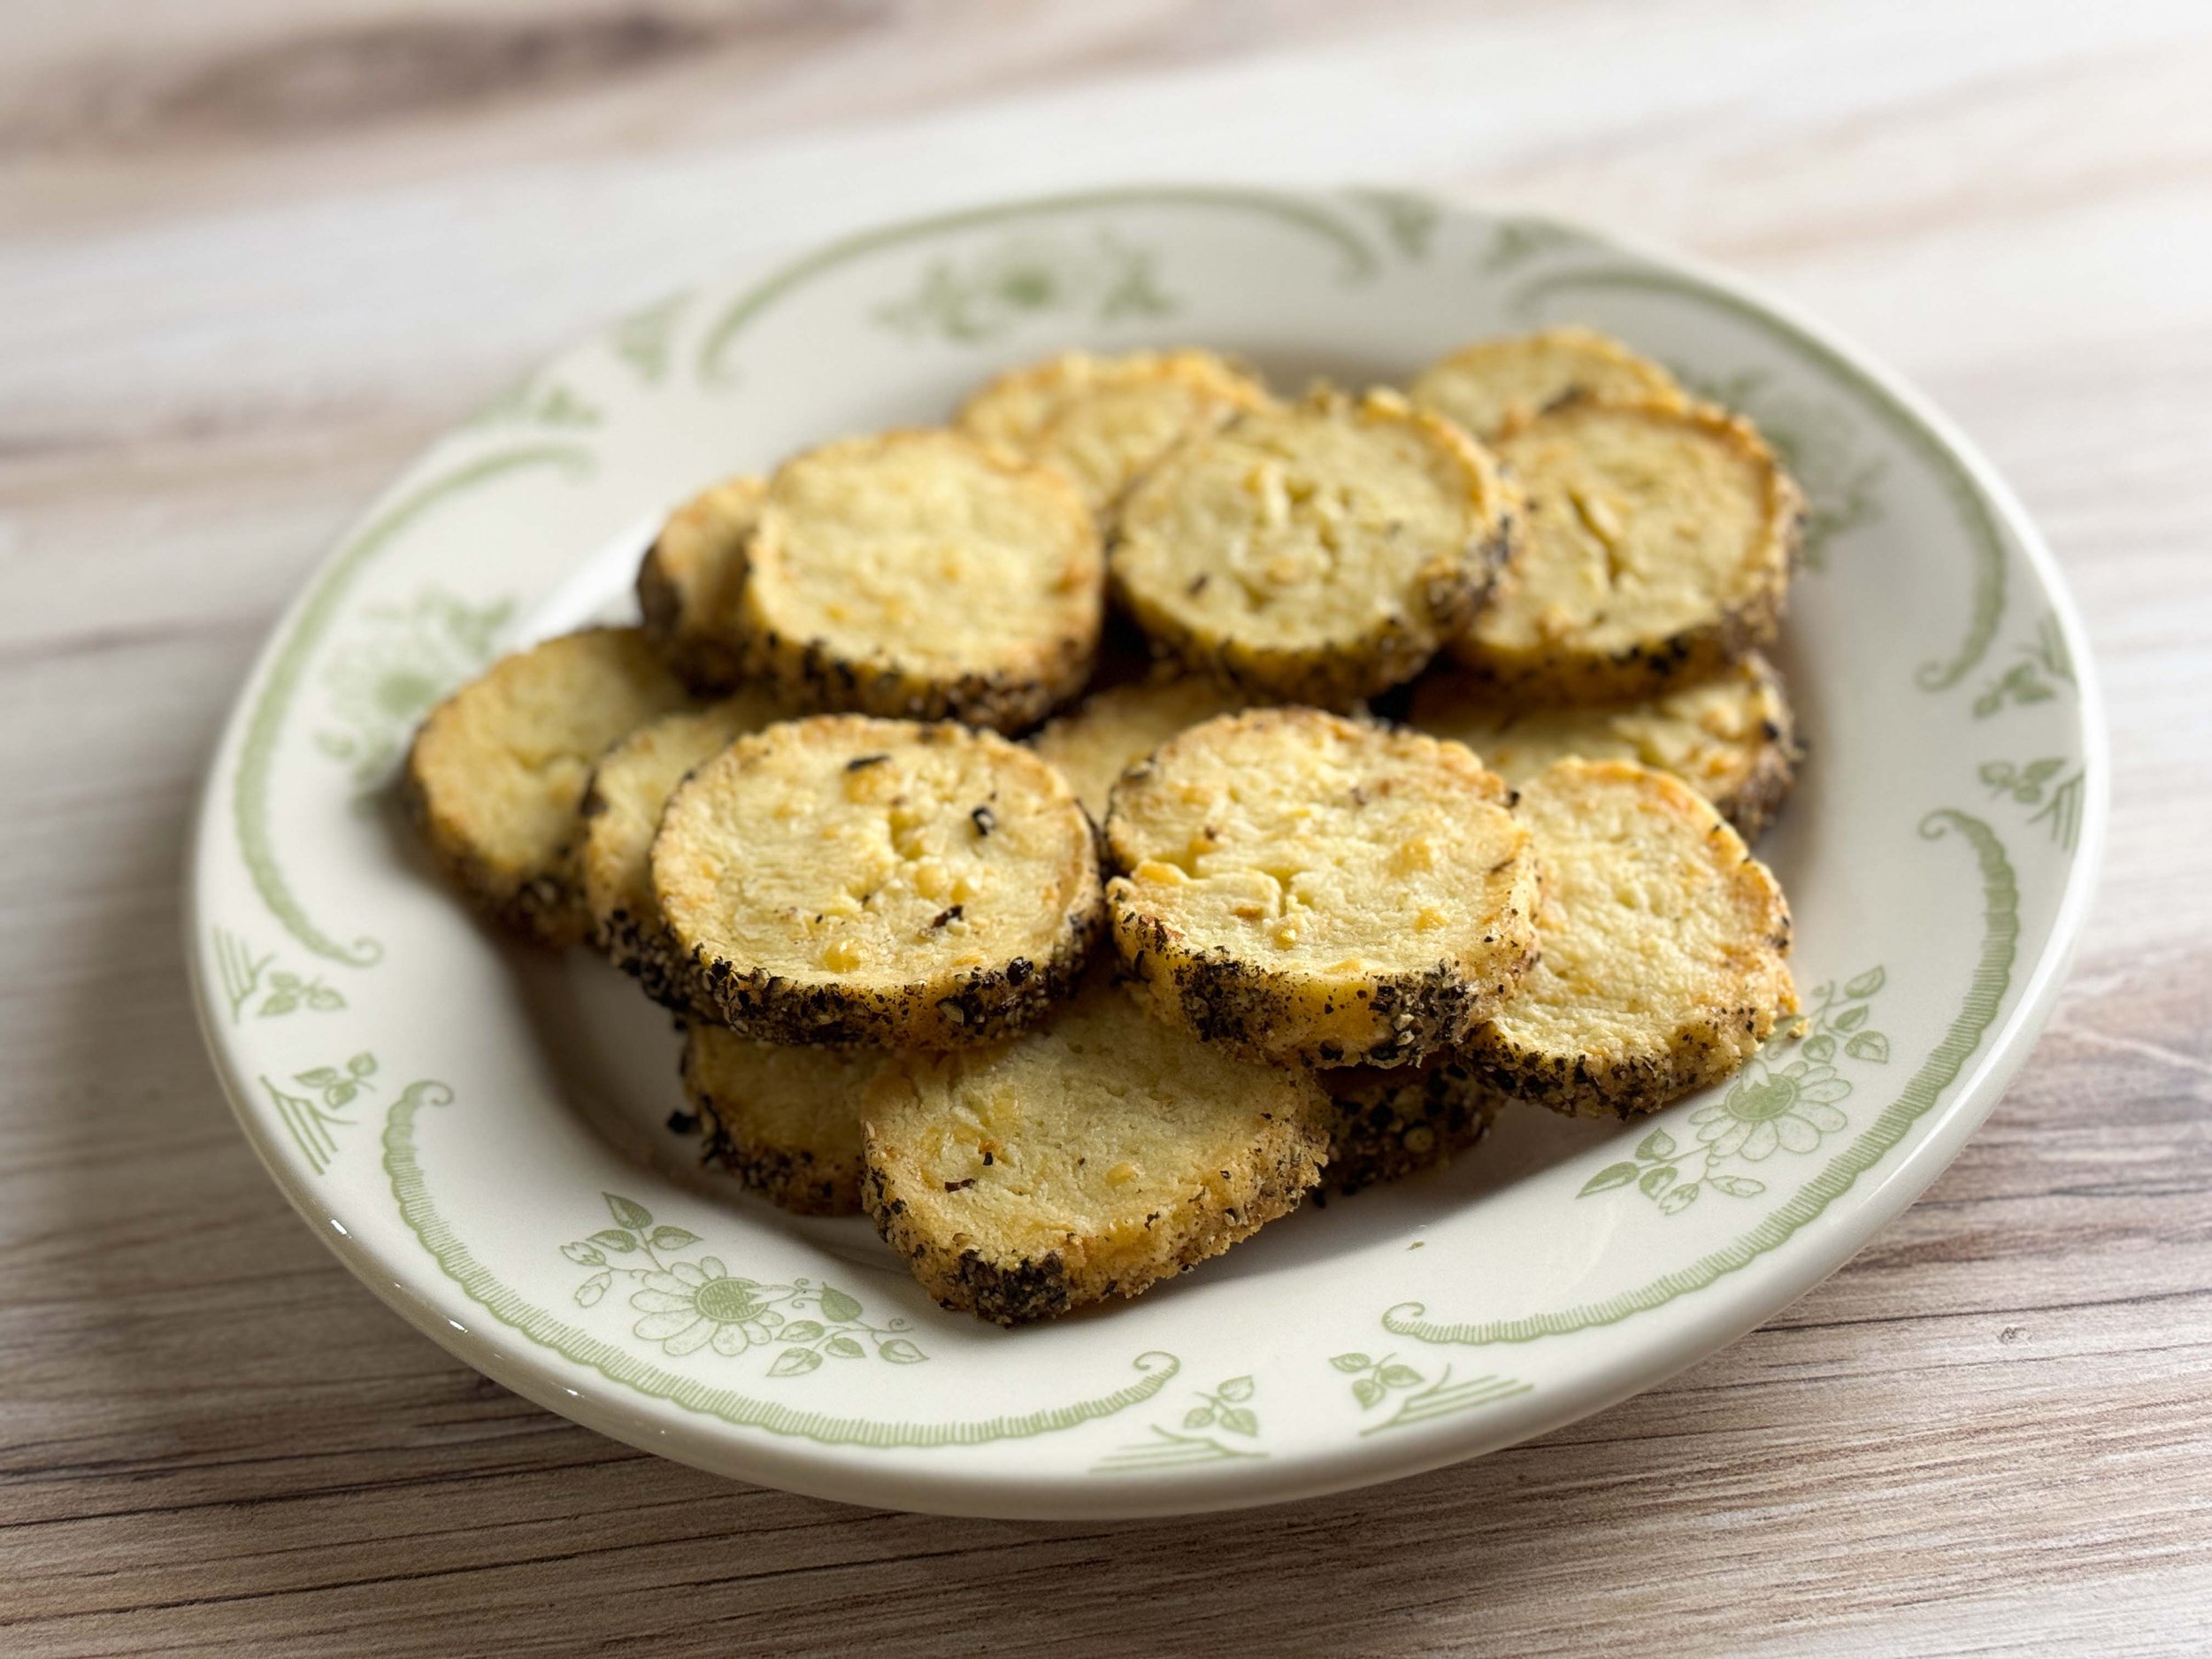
(975,1005)
(1019,1289)
(546,909)
(811,676)
(1754,803)
(1225,1000)
(805,1180)
(640,947)
(1620,1086)
(1390,1124)
(710,663)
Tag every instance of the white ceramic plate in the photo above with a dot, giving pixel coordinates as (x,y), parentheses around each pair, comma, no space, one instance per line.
(481,1134)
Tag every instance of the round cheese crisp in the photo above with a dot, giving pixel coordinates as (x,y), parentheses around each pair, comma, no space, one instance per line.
(1490,384)
(1304,888)
(1659,543)
(1730,738)
(1319,553)
(1091,1157)
(923,574)
(1664,947)
(497,769)
(1104,420)
(842,880)
(688,584)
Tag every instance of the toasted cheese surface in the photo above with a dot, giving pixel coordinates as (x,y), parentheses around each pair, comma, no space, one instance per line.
(688,584)
(1312,887)
(498,768)
(915,877)
(621,812)
(1728,737)
(1322,550)
(1664,947)
(1658,547)
(1091,1156)
(1488,384)
(923,574)
(1102,420)
(1111,731)
(784,1119)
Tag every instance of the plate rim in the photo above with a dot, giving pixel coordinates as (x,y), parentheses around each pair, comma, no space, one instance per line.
(816,1471)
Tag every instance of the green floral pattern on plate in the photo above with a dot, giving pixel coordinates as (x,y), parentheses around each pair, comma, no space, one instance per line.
(1224,1410)
(1101,279)
(242,974)
(310,1117)
(2039,784)
(2042,665)
(385,678)
(1377,1382)
(693,1303)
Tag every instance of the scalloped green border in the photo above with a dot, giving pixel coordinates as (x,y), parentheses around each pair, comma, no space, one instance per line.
(1297,210)
(411,1191)
(1985,995)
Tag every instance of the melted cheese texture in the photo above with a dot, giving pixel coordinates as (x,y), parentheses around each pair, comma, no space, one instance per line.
(1318,846)
(1663,940)
(926,552)
(874,854)
(1492,383)
(1646,522)
(1312,528)
(1104,420)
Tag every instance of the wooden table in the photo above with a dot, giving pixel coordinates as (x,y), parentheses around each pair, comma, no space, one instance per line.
(252,254)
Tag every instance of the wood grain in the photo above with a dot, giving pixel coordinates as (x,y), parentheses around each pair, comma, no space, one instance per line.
(253,254)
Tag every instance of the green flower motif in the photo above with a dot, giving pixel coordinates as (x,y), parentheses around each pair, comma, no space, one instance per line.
(1791,1108)
(692,1306)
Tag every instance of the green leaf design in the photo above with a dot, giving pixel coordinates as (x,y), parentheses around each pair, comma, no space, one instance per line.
(1236,1388)
(899,1351)
(1656,1147)
(628,1211)
(322,999)
(1198,1417)
(1656,1179)
(795,1361)
(583,1255)
(1239,1420)
(614,1239)
(1611,1176)
(1866,984)
(363,1064)
(1367,1391)
(1351,1361)
(1736,1186)
(844,1348)
(804,1330)
(593,1288)
(321,1077)
(837,1307)
(1399,1377)
(1680,1200)
(1820,1050)
(1868,1045)
(673,1239)
(1852,1018)
(341,1094)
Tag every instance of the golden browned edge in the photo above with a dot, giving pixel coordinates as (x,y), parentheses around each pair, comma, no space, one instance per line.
(1753,805)
(1650,667)
(1006,697)
(1264,1014)
(1585,1084)
(807,1180)
(1338,674)
(1281,1165)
